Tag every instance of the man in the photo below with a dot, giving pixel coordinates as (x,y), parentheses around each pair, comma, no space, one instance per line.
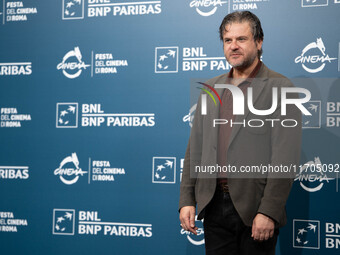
(242,213)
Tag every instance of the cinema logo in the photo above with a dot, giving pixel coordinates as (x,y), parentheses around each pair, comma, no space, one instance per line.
(9,223)
(239,103)
(313,175)
(72,64)
(17,11)
(193,59)
(308,234)
(190,116)
(242,5)
(69,170)
(195,239)
(311,60)
(103,171)
(206,8)
(10,118)
(15,68)
(89,223)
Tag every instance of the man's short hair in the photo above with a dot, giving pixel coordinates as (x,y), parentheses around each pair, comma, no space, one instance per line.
(244,16)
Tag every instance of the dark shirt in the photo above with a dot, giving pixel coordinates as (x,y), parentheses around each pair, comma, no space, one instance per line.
(226,112)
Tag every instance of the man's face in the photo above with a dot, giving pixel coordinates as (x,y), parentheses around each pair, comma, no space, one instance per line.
(239,46)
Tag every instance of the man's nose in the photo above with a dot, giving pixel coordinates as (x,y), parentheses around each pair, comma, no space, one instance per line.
(234,45)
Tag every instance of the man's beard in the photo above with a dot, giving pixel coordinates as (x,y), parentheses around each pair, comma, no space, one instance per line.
(245,63)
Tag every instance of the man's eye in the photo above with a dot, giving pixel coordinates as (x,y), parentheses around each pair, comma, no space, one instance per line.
(242,39)
(227,40)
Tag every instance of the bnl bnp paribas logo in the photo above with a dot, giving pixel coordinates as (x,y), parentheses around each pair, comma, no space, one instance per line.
(74,9)
(93,115)
(308,234)
(167,60)
(313,57)
(68,222)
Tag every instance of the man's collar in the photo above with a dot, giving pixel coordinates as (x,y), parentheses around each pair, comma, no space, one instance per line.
(251,75)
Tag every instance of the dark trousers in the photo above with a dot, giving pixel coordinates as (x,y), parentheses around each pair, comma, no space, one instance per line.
(226,234)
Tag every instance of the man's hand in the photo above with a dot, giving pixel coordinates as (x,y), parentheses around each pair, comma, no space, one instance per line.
(263,227)
(187,218)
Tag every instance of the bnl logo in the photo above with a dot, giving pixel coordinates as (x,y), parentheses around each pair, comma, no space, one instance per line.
(314,3)
(313,120)
(164,170)
(166,60)
(67,115)
(306,234)
(73,9)
(63,221)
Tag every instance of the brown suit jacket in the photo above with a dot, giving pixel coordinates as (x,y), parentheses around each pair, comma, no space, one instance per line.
(278,145)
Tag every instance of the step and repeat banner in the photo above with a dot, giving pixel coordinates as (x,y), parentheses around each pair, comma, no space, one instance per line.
(96,114)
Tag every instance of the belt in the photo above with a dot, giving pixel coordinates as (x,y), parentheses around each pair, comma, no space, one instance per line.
(223,187)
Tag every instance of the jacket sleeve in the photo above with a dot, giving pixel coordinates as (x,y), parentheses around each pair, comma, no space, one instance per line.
(192,157)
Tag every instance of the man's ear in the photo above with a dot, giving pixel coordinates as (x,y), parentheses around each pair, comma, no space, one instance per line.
(259,44)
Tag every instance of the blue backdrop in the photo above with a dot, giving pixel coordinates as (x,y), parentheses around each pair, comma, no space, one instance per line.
(95,117)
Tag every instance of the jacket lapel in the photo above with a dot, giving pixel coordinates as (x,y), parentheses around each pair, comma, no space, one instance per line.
(257,84)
